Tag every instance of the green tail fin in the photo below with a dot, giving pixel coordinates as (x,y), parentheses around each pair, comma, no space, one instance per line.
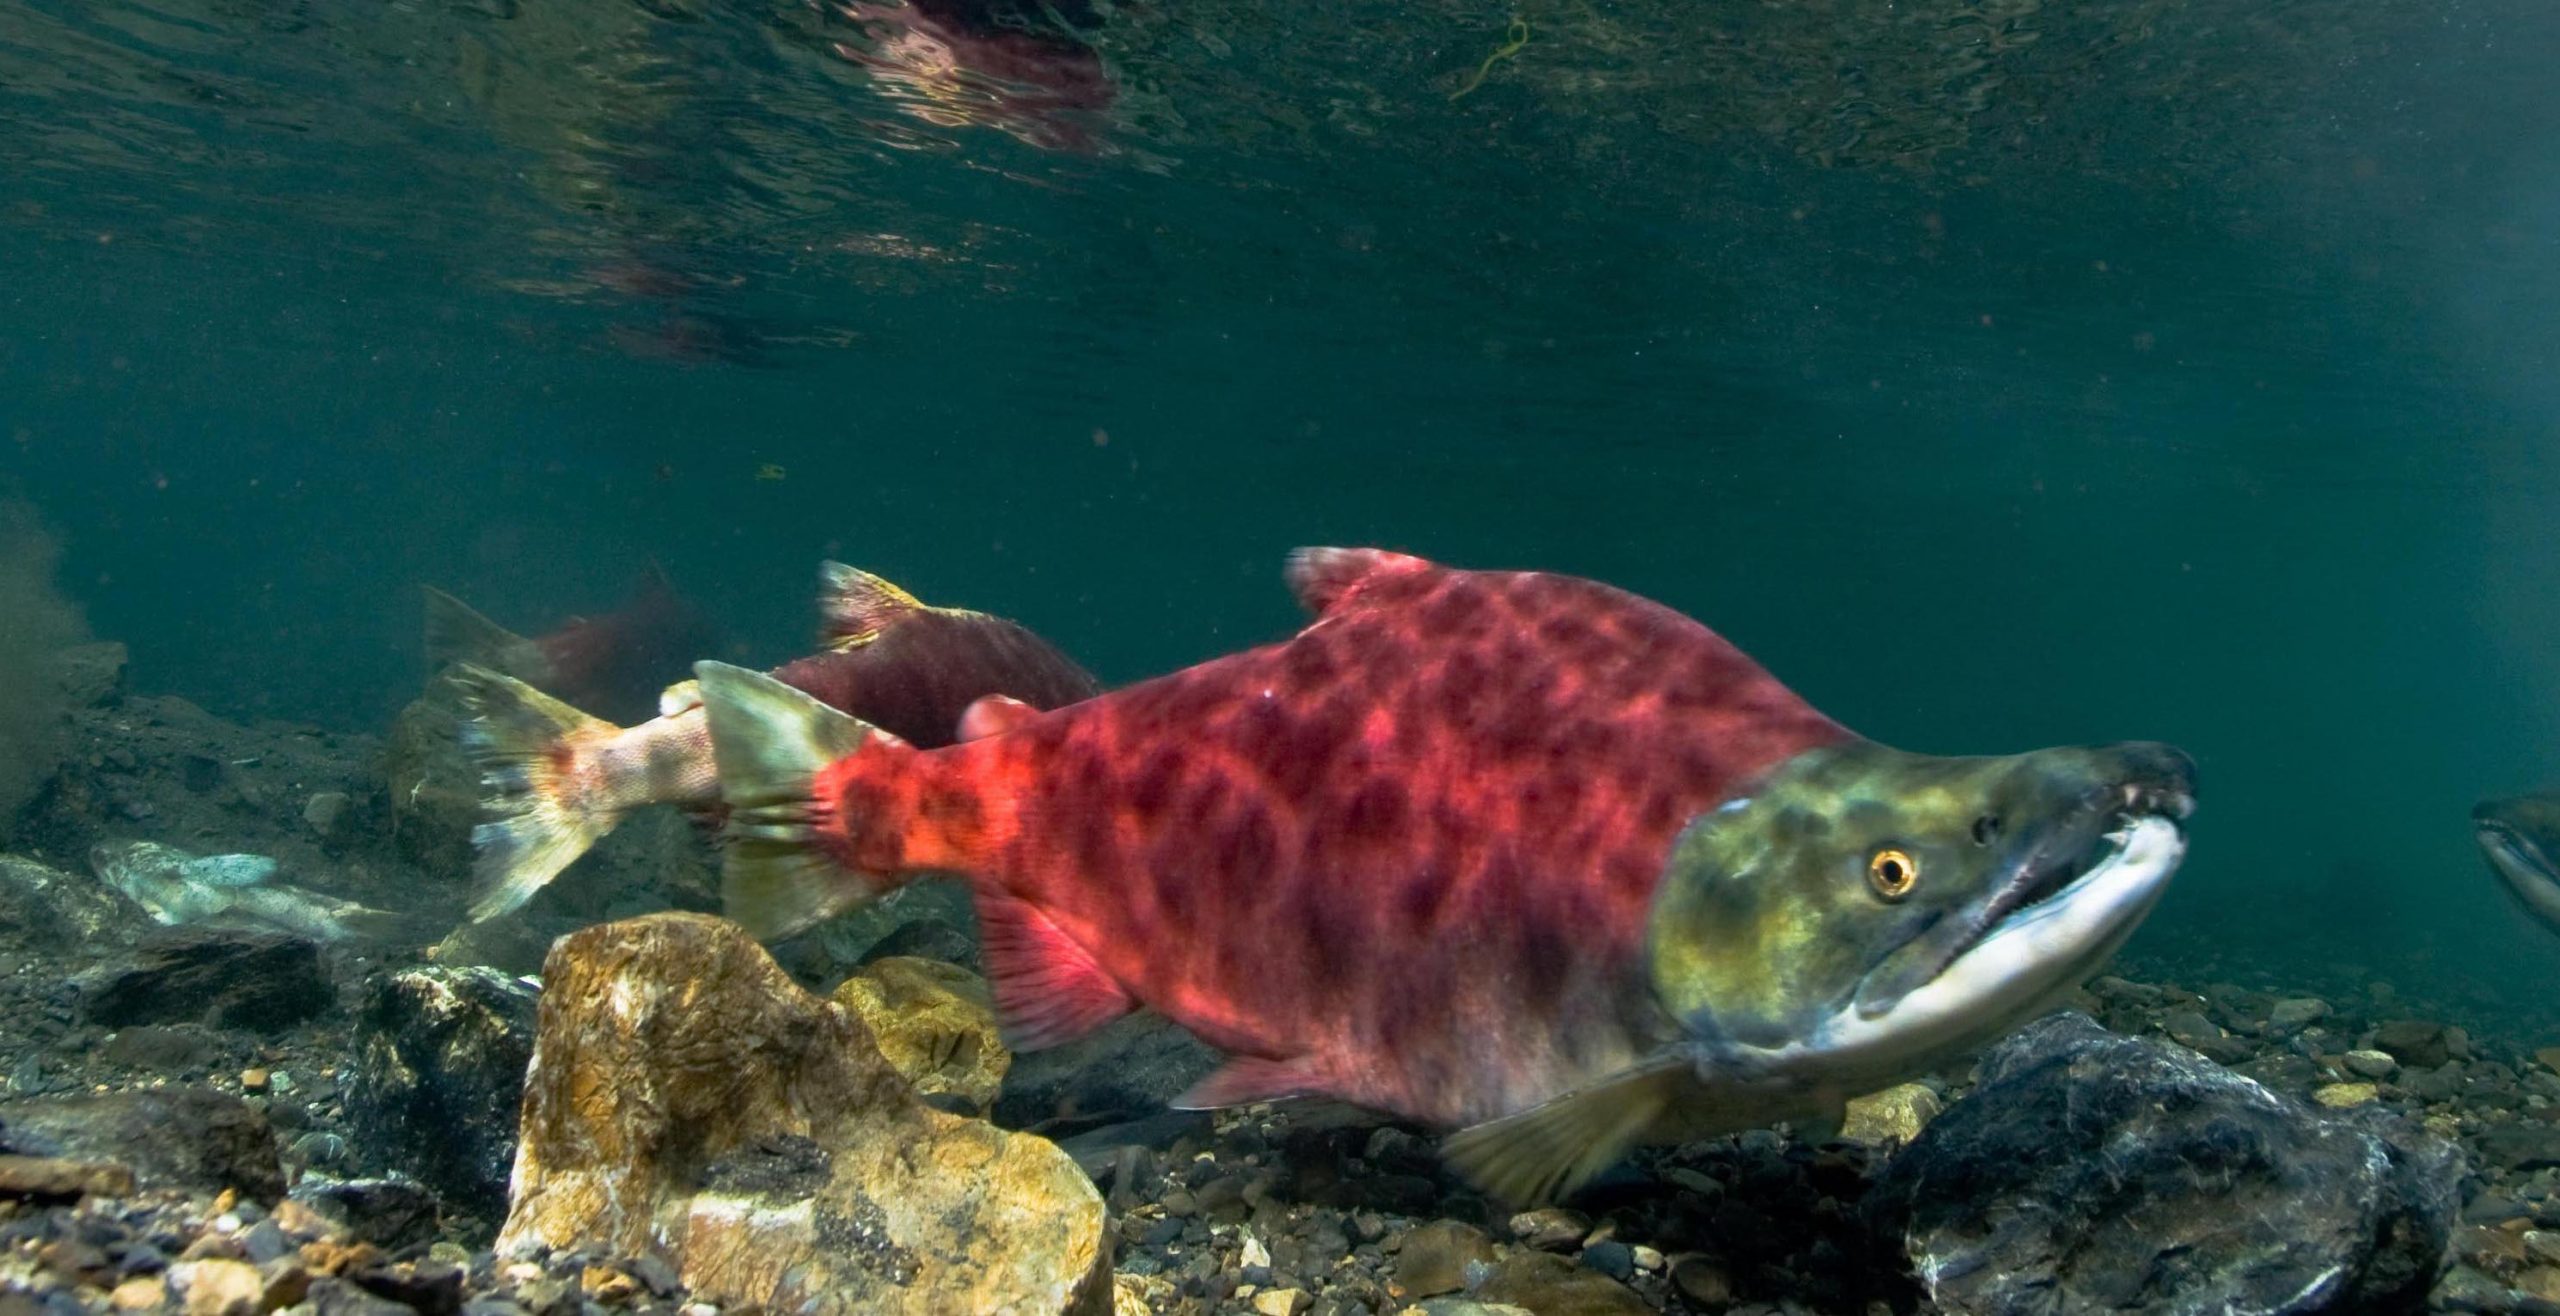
(539,818)
(457,634)
(770,741)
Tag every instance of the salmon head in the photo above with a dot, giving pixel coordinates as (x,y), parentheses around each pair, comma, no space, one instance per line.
(2521,839)
(1860,913)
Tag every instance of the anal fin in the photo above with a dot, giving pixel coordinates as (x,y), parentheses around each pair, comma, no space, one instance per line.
(1244,1080)
(1048,990)
(1552,1148)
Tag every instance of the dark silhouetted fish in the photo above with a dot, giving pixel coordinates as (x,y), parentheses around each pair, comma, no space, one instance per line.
(617,662)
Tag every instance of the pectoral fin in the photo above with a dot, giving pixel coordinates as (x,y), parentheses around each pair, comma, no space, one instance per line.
(1551,1149)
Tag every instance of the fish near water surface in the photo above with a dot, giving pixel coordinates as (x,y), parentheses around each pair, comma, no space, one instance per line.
(556,780)
(2520,837)
(616,662)
(1509,852)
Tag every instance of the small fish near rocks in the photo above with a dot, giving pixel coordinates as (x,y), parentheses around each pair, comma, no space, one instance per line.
(2095,1172)
(688,1101)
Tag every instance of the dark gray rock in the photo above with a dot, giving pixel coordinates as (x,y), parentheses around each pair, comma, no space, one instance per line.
(2413,1042)
(392,1213)
(2095,1172)
(2523,1145)
(179,1137)
(929,938)
(59,911)
(1127,1071)
(91,675)
(441,1056)
(221,977)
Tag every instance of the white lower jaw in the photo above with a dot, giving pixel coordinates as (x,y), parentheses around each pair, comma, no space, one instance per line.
(2018,971)
(2531,883)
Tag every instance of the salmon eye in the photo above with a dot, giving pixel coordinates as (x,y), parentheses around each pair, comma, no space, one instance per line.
(1893,873)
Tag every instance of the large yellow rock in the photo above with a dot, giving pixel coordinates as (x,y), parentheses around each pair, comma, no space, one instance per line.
(688,1100)
(935,1022)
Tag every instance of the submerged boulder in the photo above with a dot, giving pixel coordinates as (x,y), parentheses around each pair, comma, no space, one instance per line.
(190,1138)
(2095,1172)
(220,977)
(435,788)
(58,911)
(440,1064)
(689,1102)
(935,1022)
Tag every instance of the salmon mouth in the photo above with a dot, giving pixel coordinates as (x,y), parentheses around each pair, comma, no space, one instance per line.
(2515,856)
(2073,857)
(2065,897)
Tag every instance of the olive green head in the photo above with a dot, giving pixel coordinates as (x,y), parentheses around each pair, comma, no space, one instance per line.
(2520,837)
(1878,907)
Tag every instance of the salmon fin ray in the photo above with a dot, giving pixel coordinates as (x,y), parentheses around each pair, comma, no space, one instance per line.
(1322,578)
(682,697)
(1555,1147)
(536,815)
(457,633)
(1048,990)
(994,715)
(854,606)
(769,741)
(1244,1080)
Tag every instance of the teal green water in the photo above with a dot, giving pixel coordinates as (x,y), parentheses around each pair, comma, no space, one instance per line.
(1999,373)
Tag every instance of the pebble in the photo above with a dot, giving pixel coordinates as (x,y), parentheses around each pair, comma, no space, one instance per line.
(1702,1281)
(2370,1064)
(1550,1229)
(141,1293)
(1611,1258)
(2294,1013)
(1435,1259)
(253,1080)
(2339,1096)
(1281,1302)
(217,1287)
(1647,1259)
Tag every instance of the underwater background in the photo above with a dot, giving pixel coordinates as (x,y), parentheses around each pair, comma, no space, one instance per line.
(1999,374)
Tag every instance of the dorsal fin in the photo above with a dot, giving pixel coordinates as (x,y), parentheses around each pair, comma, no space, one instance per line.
(854,605)
(1322,577)
(993,715)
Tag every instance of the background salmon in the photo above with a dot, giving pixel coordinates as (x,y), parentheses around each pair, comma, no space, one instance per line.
(615,663)
(557,780)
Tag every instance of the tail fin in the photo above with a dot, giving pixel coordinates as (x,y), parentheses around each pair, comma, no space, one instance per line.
(457,634)
(770,741)
(541,813)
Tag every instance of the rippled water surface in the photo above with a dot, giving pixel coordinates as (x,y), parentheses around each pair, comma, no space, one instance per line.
(1999,373)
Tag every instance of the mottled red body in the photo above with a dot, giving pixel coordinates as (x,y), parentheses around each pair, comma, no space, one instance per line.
(927,665)
(1403,858)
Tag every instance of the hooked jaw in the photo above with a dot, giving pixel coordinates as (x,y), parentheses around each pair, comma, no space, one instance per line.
(2517,852)
(2063,901)
(1864,914)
